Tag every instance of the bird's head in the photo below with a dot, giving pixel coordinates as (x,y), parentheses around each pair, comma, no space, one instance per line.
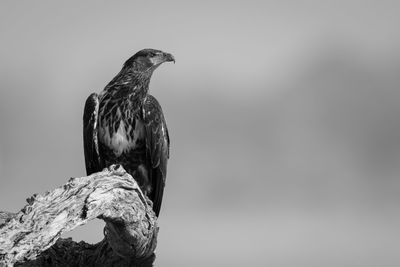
(147,60)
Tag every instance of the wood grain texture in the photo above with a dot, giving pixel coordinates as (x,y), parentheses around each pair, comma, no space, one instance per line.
(31,236)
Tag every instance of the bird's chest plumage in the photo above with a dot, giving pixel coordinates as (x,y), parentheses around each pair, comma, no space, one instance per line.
(121,128)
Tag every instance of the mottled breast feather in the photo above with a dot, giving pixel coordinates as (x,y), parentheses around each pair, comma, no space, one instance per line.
(120,133)
(120,126)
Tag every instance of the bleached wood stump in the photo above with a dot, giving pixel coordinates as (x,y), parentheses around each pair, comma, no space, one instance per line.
(31,236)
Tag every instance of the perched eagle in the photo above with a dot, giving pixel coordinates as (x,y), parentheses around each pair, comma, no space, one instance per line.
(125,125)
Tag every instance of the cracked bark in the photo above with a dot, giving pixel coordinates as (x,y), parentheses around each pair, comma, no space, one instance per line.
(31,237)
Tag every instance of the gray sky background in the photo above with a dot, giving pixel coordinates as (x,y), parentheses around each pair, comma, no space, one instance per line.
(283,116)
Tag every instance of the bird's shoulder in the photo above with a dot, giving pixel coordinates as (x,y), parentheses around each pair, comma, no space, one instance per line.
(152,110)
(156,127)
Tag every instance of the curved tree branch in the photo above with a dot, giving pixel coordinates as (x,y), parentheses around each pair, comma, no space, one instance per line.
(31,236)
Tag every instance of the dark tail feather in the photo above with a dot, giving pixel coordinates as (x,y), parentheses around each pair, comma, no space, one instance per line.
(158,190)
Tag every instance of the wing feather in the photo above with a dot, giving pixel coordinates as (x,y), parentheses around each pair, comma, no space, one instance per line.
(90,139)
(157,148)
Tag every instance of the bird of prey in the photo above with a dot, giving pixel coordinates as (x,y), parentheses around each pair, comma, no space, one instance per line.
(125,125)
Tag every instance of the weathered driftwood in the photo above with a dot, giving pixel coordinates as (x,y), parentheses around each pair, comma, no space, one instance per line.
(31,236)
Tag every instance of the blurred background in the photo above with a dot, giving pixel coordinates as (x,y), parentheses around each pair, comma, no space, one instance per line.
(284,120)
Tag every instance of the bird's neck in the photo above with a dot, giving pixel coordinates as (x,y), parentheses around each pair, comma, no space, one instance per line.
(131,85)
(139,86)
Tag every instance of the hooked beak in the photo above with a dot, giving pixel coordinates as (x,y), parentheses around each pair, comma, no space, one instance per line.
(161,58)
(168,57)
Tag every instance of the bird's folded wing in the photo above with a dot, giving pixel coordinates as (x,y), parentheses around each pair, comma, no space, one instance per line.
(90,139)
(157,148)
